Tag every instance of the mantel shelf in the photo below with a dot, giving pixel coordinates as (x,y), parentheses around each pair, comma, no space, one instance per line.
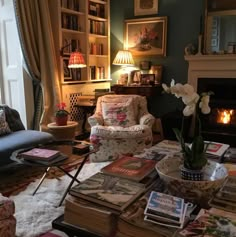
(210,57)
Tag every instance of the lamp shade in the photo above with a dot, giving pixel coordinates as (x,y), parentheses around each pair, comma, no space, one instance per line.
(76,60)
(123,57)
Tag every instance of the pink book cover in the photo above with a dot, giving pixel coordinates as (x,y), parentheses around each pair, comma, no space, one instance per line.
(40,153)
(130,167)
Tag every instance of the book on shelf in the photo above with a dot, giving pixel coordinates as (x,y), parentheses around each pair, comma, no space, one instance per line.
(166,209)
(107,190)
(225,197)
(39,154)
(131,222)
(211,223)
(130,167)
(82,213)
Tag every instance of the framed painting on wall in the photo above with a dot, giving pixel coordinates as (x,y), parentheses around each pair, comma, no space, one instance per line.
(146,36)
(145,7)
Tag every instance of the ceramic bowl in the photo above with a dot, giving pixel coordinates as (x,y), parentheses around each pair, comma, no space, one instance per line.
(194,191)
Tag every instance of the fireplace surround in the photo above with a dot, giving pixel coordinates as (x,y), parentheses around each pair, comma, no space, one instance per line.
(218,74)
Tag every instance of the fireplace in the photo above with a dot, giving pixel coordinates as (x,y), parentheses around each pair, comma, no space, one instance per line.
(216,73)
(220,124)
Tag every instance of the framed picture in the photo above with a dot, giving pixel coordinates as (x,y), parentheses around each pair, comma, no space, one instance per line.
(146,36)
(147,79)
(145,7)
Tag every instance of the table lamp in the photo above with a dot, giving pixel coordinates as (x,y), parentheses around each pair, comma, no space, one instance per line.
(125,59)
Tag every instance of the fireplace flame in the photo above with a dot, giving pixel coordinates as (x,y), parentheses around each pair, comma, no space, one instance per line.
(224,116)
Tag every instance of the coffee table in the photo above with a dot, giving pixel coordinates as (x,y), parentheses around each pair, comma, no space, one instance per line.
(57,145)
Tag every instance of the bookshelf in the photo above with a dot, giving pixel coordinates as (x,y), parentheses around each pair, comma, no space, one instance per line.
(85,26)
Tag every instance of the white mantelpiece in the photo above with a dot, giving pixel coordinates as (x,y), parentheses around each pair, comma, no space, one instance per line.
(210,66)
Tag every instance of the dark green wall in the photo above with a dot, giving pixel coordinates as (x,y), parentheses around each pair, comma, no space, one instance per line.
(183,28)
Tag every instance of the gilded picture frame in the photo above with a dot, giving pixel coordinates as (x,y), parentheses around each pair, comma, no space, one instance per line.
(146,36)
(145,7)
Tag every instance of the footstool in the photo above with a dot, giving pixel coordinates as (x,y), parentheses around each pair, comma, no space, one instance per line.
(7,220)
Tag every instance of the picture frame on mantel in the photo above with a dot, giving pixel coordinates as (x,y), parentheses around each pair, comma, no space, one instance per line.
(146,36)
(145,7)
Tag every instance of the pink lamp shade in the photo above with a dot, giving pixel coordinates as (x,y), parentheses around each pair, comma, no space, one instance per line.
(76,60)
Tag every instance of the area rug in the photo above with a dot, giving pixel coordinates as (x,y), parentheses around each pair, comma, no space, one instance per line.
(34,214)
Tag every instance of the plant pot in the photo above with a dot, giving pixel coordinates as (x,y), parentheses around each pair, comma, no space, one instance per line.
(61,121)
(194,175)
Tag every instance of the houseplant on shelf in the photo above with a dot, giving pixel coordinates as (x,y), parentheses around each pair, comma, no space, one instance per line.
(194,155)
(61,115)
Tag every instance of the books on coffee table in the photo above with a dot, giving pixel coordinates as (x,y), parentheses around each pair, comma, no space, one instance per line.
(130,167)
(39,154)
(167,210)
(110,191)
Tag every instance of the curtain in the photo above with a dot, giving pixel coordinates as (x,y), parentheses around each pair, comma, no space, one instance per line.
(36,37)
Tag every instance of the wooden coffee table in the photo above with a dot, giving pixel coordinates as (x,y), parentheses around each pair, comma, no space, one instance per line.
(60,165)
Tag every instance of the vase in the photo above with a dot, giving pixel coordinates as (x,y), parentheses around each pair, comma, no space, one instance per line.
(194,175)
(61,121)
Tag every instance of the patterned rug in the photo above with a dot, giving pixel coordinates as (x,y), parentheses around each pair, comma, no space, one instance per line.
(16,178)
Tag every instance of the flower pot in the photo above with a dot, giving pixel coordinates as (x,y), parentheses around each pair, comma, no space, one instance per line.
(61,121)
(194,175)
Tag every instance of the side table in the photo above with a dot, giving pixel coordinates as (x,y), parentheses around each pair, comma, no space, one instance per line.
(63,133)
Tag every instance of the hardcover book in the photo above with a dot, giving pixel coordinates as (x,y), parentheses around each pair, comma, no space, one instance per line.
(130,167)
(216,149)
(39,154)
(111,191)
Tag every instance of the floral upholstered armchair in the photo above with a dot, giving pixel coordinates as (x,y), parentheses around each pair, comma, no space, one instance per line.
(120,125)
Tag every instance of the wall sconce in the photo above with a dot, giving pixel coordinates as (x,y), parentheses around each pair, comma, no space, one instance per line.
(125,59)
(76,58)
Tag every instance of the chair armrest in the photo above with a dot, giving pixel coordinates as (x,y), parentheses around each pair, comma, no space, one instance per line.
(95,119)
(147,119)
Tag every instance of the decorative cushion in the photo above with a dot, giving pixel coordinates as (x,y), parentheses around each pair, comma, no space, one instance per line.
(4,128)
(118,114)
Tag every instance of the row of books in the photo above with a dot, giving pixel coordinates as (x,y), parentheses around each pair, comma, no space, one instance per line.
(71,4)
(96,9)
(42,156)
(70,21)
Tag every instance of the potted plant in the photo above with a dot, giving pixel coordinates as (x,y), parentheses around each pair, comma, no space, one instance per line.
(194,154)
(61,115)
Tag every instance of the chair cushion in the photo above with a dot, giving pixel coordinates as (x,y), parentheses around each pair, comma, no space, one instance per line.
(118,114)
(4,128)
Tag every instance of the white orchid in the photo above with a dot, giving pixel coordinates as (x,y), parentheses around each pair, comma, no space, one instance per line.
(194,157)
(189,97)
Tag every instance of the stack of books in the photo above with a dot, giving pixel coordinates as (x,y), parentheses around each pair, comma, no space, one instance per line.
(167,210)
(133,168)
(110,191)
(82,213)
(42,156)
(225,198)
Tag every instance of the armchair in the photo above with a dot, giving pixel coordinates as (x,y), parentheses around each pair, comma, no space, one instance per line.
(120,125)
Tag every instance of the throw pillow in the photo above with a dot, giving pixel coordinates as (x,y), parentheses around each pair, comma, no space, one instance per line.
(4,128)
(118,114)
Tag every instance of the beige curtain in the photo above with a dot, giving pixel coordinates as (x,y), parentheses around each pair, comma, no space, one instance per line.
(35,30)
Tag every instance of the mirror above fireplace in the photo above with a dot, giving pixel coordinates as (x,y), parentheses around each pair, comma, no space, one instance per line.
(220,31)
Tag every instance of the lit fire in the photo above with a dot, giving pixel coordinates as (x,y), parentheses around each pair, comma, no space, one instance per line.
(224,116)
